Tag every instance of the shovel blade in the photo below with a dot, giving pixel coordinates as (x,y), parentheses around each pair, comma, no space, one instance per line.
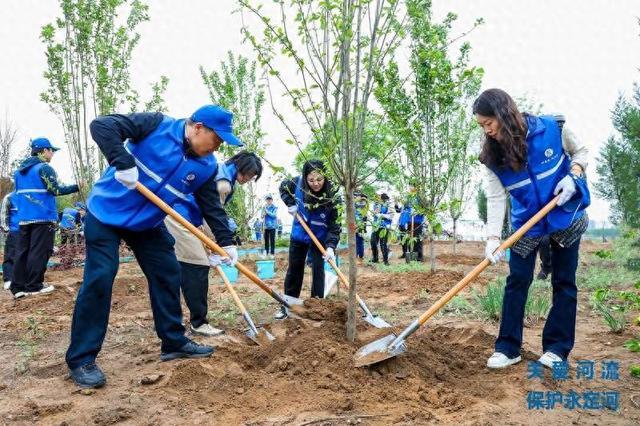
(376,321)
(260,337)
(379,350)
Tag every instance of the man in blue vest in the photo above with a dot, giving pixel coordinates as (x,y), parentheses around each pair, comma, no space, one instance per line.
(382,218)
(174,159)
(71,222)
(36,190)
(270,217)
(10,224)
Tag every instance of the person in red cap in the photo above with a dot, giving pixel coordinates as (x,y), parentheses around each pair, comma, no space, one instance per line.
(35,201)
(174,159)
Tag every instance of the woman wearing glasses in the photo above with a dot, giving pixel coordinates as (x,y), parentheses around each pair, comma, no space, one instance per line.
(312,197)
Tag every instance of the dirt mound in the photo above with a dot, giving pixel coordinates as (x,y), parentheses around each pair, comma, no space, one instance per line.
(313,365)
(458,259)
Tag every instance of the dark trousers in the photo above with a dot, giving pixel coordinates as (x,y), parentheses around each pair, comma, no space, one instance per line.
(380,236)
(295,272)
(545,255)
(558,335)
(68,236)
(415,246)
(194,282)
(269,241)
(34,247)
(9,255)
(153,250)
(359,245)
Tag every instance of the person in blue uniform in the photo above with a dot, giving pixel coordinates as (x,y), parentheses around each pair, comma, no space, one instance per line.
(534,159)
(312,196)
(174,159)
(71,222)
(382,218)
(10,225)
(192,255)
(35,198)
(270,221)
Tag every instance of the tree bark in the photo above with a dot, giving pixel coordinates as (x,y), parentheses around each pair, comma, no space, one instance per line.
(353,267)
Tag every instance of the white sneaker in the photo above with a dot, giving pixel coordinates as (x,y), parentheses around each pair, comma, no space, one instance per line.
(500,360)
(46,288)
(7,285)
(20,295)
(206,330)
(548,358)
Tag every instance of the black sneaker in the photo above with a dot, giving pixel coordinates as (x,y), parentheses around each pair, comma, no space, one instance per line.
(88,376)
(189,350)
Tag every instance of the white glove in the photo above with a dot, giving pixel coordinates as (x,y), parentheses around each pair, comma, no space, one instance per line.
(128,177)
(568,188)
(233,256)
(215,260)
(224,189)
(329,254)
(292,210)
(492,245)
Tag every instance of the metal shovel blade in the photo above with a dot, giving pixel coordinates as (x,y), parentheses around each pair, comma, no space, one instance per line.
(379,350)
(375,320)
(260,336)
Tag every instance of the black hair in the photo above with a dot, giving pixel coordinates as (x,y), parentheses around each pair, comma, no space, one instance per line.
(511,150)
(325,195)
(384,196)
(247,163)
(37,151)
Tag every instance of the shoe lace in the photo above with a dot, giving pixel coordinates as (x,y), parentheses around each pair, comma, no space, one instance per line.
(90,367)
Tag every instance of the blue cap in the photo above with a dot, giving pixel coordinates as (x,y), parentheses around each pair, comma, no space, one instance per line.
(80,205)
(42,143)
(219,120)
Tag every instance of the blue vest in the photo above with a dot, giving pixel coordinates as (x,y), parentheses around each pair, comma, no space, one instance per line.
(316,219)
(34,202)
(230,173)
(532,187)
(271,222)
(358,207)
(380,222)
(164,168)
(68,220)
(14,219)
(405,217)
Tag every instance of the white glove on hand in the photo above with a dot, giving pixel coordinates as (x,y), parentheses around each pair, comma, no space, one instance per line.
(492,245)
(128,177)
(292,210)
(568,188)
(329,254)
(215,260)
(233,256)
(224,189)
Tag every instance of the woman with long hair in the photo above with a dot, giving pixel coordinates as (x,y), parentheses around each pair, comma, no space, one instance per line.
(533,158)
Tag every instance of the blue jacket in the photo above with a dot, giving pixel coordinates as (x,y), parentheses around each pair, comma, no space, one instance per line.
(230,173)
(163,167)
(406,214)
(316,219)
(270,214)
(532,187)
(70,218)
(378,221)
(36,188)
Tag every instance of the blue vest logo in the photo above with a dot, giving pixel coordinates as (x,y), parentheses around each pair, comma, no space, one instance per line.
(548,152)
(191,177)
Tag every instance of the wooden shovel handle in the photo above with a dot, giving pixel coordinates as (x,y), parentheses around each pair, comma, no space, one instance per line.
(343,278)
(231,290)
(206,240)
(485,263)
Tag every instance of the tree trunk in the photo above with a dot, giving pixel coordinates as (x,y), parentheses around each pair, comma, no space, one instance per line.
(353,268)
(432,253)
(455,235)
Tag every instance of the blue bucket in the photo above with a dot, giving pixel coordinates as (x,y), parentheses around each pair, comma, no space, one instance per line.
(265,269)
(231,272)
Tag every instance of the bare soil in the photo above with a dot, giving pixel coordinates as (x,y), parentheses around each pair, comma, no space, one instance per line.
(307,375)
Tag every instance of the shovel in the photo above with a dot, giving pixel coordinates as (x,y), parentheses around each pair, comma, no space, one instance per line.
(215,248)
(258,336)
(374,320)
(392,345)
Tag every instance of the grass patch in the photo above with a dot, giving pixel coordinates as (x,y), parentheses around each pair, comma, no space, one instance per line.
(488,304)
(403,267)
